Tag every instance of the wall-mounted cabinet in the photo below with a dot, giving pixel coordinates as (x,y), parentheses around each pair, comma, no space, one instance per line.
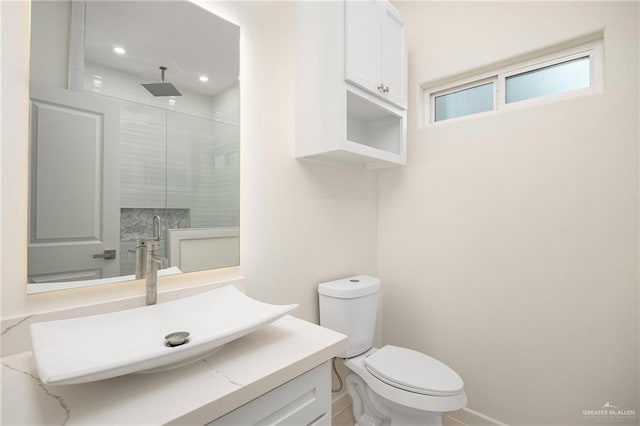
(341,116)
(375,51)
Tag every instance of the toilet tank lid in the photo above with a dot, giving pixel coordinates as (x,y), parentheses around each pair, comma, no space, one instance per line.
(349,288)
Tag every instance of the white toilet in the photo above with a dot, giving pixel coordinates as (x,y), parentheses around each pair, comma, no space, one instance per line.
(392,385)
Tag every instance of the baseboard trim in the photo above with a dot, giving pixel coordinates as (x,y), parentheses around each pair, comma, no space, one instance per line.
(340,402)
(469,417)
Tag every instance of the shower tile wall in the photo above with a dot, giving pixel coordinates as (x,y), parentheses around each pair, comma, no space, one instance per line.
(142,156)
(180,161)
(181,167)
(203,170)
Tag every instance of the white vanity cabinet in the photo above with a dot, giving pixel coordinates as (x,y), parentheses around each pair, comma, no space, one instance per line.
(345,51)
(375,51)
(277,375)
(305,400)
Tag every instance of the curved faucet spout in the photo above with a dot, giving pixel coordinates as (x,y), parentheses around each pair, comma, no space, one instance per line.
(156,228)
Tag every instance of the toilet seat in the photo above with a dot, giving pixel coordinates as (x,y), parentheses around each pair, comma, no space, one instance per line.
(413,371)
(403,397)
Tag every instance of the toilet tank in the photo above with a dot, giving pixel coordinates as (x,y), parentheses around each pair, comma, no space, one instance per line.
(350,306)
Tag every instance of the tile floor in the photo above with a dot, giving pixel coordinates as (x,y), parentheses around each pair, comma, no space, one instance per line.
(345,418)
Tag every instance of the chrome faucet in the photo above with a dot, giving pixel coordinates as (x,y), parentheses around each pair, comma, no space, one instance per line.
(153,263)
(148,262)
(140,253)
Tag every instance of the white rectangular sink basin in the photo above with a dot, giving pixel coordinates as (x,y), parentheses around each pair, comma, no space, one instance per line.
(87,349)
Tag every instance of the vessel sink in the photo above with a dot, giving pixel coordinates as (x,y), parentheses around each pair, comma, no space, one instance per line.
(87,349)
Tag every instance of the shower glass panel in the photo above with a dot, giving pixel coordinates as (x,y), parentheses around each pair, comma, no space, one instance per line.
(142,156)
(143,177)
(203,170)
(181,167)
(559,78)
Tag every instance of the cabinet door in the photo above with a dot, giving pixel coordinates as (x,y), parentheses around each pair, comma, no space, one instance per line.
(362,44)
(305,400)
(394,56)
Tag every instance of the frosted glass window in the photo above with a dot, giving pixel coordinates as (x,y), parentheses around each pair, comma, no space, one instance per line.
(559,78)
(572,71)
(464,102)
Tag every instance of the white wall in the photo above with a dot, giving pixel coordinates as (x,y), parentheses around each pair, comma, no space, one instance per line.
(509,244)
(50,21)
(226,105)
(300,223)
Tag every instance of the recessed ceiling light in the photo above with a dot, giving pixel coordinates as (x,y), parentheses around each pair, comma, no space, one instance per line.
(204,78)
(119,50)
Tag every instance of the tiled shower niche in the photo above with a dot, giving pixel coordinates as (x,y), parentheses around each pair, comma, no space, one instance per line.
(137,223)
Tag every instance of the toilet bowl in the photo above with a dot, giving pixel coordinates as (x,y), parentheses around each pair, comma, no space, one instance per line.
(398,386)
(392,385)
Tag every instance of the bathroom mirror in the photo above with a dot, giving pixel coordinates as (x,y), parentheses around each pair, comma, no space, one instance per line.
(134,113)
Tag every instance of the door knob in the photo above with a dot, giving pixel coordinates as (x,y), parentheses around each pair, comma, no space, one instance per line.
(107,254)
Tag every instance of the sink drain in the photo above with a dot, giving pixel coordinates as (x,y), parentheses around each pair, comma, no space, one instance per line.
(177,338)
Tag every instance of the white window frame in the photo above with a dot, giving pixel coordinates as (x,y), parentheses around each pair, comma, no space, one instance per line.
(592,49)
(458,88)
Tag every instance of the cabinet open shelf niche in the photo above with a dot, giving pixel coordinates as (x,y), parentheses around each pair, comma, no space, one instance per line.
(372,125)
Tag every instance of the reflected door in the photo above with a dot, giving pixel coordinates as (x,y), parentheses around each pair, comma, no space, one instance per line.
(74,215)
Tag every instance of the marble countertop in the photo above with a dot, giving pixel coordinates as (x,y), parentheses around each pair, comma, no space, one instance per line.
(194,394)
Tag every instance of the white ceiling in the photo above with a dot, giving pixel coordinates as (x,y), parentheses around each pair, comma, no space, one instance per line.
(179,35)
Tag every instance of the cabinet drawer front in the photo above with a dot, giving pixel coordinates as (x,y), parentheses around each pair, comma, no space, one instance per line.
(304,400)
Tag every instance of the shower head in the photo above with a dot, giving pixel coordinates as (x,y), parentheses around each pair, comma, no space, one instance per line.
(162,88)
